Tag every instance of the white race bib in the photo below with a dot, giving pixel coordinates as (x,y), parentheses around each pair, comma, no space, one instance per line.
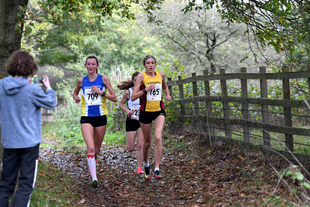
(92,98)
(155,94)
(135,109)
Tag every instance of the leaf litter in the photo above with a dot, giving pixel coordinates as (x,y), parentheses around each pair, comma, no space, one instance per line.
(194,174)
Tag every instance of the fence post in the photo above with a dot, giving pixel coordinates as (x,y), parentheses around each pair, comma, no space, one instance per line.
(245,107)
(265,113)
(195,93)
(170,87)
(287,111)
(208,104)
(309,83)
(181,92)
(228,131)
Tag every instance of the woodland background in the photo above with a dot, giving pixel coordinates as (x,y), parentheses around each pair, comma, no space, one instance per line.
(184,36)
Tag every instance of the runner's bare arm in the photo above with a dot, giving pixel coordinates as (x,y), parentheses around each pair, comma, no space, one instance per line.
(165,87)
(108,85)
(125,98)
(136,93)
(77,90)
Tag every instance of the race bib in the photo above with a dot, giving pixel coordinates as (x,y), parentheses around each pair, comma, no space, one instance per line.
(135,109)
(155,94)
(92,98)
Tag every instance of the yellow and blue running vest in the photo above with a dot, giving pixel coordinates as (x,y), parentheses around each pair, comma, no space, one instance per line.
(93,104)
(152,100)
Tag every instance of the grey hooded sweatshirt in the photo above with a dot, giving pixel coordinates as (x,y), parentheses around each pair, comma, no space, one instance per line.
(20,114)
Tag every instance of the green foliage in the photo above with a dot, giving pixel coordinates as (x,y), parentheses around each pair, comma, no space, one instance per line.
(118,137)
(68,115)
(54,56)
(57,9)
(295,174)
(77,34)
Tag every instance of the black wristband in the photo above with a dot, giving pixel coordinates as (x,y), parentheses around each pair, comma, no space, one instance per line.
(103,94)
(144,91)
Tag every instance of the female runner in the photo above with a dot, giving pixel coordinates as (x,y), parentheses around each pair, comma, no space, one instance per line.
(94,111)
(133,128)
(149,86)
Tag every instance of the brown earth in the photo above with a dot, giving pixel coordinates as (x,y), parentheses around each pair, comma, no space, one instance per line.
(194,174)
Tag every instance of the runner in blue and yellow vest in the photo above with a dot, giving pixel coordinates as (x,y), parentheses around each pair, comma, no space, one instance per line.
(149,86)
(94,110)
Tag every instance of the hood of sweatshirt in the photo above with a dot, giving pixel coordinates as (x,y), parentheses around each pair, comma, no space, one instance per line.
(13,85)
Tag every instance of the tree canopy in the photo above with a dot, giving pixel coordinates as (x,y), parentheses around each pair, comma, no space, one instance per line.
(284,24)
(281,24)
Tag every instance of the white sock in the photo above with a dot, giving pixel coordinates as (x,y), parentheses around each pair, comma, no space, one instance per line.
(156,169)
(92,166)
(147,165)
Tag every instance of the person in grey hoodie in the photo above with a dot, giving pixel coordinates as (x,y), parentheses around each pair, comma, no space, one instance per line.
(20,121)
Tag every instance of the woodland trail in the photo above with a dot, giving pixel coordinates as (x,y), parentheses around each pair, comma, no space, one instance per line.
(194,174)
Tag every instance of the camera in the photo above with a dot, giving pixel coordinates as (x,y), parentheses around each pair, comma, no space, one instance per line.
(37,80)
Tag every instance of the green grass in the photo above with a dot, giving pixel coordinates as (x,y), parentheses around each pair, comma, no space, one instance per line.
(55,138)
(49,191)
(118,137)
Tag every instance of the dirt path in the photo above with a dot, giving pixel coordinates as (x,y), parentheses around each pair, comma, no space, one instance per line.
(194,174)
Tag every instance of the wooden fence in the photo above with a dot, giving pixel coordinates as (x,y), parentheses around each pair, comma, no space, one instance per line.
(202,114)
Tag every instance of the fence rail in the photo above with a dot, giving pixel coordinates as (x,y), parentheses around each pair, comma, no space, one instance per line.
(229,122)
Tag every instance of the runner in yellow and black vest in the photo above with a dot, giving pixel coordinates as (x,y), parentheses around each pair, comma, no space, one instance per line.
(149,86)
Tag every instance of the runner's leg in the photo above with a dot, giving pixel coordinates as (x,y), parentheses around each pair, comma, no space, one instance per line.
(158,126)
(99,133)
(139,147)
(130,144)
(146,130)
(88,135)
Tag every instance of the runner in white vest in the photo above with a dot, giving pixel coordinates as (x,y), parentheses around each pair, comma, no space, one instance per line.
(133,128)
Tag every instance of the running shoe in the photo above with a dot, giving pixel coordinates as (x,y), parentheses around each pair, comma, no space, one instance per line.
(94,183)
(96,158)
(157,175)
(139,170)
(147,174)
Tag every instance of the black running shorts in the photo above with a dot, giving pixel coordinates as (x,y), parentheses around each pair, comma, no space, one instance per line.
(95,121)
(132,125)
(146,117)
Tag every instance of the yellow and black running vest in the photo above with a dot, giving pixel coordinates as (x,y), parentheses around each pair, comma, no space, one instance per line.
(152,100)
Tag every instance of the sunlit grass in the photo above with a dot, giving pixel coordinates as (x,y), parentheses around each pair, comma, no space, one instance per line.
(49,191)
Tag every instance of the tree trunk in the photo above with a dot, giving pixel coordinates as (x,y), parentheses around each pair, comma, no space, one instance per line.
(10,39)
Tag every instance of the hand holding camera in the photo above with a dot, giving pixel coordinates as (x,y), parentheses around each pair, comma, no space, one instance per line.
(41,81)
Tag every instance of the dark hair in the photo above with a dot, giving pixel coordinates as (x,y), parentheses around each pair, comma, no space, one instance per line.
(147,57)
(21,63)
(92,57)
(128,83)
